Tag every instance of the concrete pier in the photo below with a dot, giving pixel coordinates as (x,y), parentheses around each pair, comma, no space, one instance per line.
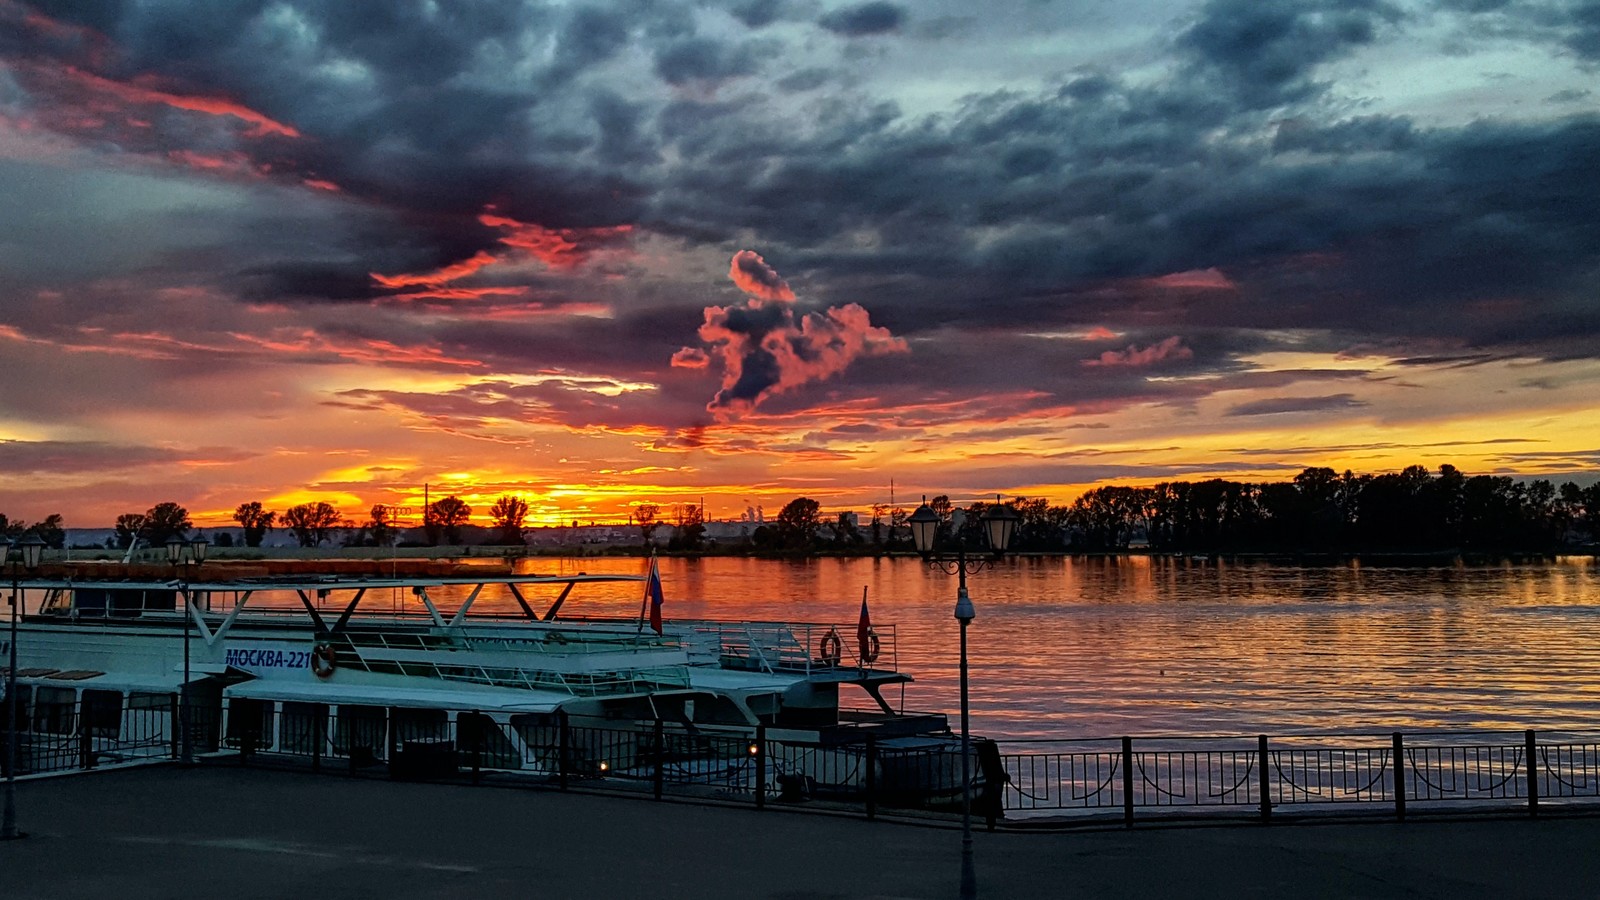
(233,834)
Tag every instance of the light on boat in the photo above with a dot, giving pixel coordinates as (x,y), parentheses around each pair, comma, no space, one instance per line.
(754,749)
(605,766)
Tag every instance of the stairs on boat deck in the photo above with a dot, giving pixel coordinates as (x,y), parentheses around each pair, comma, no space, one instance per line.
(759,648)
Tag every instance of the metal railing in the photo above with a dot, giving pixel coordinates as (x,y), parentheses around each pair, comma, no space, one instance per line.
(1070,783)
(1393,775)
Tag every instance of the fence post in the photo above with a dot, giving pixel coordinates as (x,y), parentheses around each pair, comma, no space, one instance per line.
(872,777)
(562,748)
(477,744)
(1399,778)
(319,726)
(1532,747)
(661,758)
(1266,797)
(1127,782)
(761,766)
(85,738)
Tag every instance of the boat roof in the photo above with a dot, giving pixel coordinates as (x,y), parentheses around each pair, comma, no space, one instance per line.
(455,696)
(309,582)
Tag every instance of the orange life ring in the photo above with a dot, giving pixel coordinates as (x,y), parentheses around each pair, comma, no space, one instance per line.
(322,660)
(869,647)
(831,648)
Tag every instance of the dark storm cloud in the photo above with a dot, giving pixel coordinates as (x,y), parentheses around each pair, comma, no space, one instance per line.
(704,59)
(1277,405)
(1013,211)
(1266,53)
(758,13)
(864,19)
(76,457)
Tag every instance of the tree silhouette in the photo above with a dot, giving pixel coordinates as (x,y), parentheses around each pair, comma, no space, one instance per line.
(130,526)
(311,523)
(255,520)
(382,525)
(644,515)
(166,520)
(448,515)
(797,523)
(508,512)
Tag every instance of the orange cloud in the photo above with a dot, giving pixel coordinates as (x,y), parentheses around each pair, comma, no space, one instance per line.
(765,349)
(438,276)
(558,248)
(260,125)
(1210,279)
(753,276)
(1170,349)
(690,358)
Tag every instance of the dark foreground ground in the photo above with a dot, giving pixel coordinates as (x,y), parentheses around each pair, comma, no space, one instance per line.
(233,834)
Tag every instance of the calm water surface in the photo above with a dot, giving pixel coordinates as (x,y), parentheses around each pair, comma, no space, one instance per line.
(1143,646)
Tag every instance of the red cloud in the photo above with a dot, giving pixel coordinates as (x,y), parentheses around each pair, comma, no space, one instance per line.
(558,248)
(753,276)
(1169,349)
(1210,279)
(765,349)
(690,358)
(136,93)
(438,276)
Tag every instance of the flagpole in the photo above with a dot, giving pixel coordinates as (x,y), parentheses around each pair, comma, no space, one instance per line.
(644,599)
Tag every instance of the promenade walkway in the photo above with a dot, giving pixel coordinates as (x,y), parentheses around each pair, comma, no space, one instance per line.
(234,834)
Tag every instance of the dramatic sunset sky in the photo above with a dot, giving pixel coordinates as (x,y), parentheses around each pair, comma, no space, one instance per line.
(599,253)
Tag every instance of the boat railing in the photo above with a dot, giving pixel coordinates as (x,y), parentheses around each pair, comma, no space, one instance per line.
(806,647)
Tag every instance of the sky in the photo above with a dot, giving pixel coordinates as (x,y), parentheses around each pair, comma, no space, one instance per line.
(604,254)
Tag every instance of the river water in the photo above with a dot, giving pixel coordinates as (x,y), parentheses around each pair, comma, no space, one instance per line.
(1144,646)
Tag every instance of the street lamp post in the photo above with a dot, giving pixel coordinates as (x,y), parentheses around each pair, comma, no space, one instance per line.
(999,523)
(30,551)
(175,553)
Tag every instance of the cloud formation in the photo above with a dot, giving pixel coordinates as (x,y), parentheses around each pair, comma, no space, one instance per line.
(765,348)
(440,227)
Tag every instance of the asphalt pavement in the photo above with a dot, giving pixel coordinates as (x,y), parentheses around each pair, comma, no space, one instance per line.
(223,833)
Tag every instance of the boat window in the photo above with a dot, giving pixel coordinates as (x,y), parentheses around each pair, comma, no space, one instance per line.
(24,697)
(420,724)
(102,713)
(57,602)
(300,727)
(249,718)
(477,732)
(149,701)
(716,711)
(53,710)
(361,730)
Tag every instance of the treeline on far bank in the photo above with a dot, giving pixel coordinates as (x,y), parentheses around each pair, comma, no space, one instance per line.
(1323,511)
(1318,511)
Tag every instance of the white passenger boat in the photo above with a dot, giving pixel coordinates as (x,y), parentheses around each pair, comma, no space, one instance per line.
(367,669)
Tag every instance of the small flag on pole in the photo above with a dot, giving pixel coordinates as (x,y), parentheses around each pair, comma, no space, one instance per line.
(652,591)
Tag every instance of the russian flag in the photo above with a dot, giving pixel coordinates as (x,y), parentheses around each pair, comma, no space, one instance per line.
(652,592)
